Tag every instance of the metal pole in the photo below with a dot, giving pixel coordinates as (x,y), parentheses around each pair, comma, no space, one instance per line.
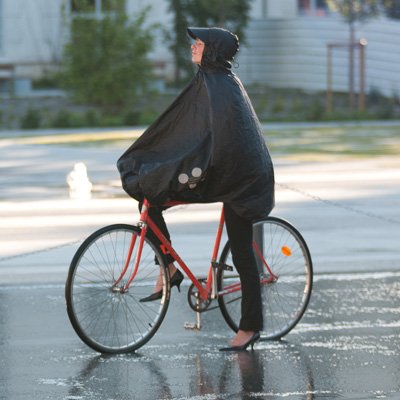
(351,69)
(361,96)
(329,81)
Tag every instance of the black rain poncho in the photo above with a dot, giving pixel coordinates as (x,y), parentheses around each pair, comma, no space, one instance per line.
(208,146)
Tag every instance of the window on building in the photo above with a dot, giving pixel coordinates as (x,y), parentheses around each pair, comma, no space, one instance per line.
(314,8)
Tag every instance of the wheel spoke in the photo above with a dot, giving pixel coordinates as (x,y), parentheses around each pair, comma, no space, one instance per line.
(110,320)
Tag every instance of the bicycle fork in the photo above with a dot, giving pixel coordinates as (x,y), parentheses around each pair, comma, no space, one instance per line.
(124,289)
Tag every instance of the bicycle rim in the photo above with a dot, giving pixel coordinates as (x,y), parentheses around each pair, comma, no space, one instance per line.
(108,320)
(285,299)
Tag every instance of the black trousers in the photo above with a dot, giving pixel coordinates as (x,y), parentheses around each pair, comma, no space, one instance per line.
(240,234)
(155,213)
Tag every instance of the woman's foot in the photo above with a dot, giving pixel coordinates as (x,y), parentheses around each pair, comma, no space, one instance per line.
(175,280)
(159,283)
(242,340)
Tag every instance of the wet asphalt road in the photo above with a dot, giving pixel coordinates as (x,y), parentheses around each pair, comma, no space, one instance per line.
(347,346)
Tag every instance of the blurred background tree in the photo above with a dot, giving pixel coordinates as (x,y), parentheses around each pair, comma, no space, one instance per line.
(179,42)
(228,14)
(105,61)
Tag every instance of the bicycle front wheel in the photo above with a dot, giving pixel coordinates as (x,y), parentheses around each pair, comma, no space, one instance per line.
(286,293)
(105,316)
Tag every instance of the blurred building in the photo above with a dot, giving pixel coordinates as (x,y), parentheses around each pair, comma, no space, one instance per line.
(286,44)
(30,41)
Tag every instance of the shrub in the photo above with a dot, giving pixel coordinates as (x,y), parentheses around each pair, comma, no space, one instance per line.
(374,97)
(385,111)
(131,118)
(149,116)
(31,119)
(297,105)
(92,118)
(315,111)
(62,119)
(110,120)
(279,105)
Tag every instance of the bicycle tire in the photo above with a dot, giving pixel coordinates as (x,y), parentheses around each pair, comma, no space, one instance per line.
(106,320)
(284,300)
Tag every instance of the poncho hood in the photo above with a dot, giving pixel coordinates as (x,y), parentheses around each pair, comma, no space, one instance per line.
(208,146)
(221,46)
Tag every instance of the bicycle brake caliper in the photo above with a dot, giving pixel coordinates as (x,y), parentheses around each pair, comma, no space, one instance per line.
(219,265)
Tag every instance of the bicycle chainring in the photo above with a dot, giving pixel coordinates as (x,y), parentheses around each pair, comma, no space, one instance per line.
(197,304)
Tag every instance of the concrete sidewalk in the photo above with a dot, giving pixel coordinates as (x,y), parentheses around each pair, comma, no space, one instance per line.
(347,211)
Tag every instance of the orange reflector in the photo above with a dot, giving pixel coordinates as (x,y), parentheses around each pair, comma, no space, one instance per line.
(286,251)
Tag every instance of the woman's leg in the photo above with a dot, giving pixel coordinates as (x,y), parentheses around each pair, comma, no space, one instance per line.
(155,214)
(240,233)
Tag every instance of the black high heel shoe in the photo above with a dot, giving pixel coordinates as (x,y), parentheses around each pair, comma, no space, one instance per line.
(250,342)
(175,280)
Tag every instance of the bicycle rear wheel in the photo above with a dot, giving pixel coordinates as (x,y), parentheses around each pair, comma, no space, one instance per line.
(105,317)
(284,298)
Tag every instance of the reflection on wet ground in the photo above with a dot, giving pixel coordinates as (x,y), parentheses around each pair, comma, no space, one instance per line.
(347,346)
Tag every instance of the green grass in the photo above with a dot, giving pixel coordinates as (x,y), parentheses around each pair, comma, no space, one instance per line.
(333,142)
(305,143)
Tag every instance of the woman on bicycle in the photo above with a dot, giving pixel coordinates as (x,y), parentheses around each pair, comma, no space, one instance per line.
(208,146)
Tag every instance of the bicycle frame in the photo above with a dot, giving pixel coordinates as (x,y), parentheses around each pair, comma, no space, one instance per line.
(205,293)
(112,312)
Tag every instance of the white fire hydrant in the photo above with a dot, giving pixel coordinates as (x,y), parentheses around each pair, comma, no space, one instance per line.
(80,187)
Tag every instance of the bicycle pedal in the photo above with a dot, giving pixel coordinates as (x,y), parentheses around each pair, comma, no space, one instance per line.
(191,326)
(219,265)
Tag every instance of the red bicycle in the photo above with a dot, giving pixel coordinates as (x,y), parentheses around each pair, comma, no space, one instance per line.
(119,264)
